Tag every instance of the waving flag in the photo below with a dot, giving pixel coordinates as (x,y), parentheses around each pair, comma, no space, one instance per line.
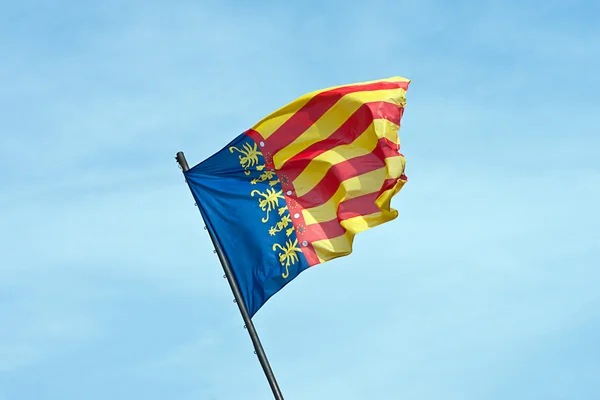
(294,190)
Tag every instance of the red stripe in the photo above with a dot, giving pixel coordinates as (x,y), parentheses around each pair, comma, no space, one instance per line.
(268,156)
(338,173)
(363,205)
(351,129)
(386,110)
(324,230)
(306,246)
(310,255)
(359,206)
(315,108)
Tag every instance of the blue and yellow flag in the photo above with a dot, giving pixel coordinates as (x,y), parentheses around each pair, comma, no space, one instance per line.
(294,190)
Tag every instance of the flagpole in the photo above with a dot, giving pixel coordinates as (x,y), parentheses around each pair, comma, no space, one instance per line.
(237,294)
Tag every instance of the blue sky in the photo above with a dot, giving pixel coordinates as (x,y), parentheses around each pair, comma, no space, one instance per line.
(485,287)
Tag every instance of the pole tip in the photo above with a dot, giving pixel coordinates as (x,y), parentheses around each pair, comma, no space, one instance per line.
(180,157)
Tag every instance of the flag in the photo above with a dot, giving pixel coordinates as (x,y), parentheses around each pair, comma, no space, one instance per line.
(294,190)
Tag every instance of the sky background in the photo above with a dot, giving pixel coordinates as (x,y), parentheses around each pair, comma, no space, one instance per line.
(487,286)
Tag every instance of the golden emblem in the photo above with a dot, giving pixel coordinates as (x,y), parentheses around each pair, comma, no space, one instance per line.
(269,200)
(249,156)
(289,255)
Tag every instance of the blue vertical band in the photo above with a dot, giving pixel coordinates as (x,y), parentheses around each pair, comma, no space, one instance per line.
(244,208)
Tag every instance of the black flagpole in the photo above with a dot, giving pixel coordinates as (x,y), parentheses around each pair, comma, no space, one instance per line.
(258,349)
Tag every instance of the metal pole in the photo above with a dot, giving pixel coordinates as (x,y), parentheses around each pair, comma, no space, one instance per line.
(180,157)
(258,349)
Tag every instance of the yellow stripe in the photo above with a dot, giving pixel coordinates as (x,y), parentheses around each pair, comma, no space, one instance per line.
(332,248)
(340,246)
(357,186)
(333,119)
(391,79)
(395,166)
(275,120)
(315,171)
(349,189)
(385,198)
(364,222)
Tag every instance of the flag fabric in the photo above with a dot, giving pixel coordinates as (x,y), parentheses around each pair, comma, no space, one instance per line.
(293,191)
